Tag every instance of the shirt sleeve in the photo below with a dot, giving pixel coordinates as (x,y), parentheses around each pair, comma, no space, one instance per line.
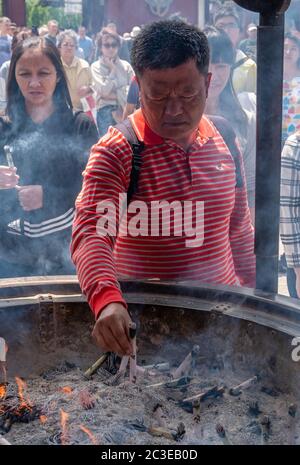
(107,175)
(290,202)
(242,235)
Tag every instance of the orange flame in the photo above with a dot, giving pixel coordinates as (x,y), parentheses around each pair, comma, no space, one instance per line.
(21,387)
(67,389)
(2,391)
(43,419)
(90,435)
(64,417)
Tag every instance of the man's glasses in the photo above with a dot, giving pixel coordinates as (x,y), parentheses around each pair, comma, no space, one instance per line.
(110,45)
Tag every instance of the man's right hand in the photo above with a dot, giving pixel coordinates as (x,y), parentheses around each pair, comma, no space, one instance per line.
(111,330)
(8,177)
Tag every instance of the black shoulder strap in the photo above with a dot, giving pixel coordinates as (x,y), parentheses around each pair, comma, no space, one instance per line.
(239,63)
(229,137)
(137,148)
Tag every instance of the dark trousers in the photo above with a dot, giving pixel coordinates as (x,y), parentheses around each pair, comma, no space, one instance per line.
(291,282)
(105,119)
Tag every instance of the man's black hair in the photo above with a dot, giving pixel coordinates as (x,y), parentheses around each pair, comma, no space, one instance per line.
(167,44)
(227,11)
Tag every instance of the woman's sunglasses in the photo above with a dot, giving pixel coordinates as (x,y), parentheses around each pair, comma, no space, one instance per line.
(110,45)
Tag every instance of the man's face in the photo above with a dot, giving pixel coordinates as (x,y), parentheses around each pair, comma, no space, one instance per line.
(5,26)
(81,32)
(173,99)
(230,26)
(291,53)
(53,29)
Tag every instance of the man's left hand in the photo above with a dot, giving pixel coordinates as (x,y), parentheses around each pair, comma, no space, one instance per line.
(30,197)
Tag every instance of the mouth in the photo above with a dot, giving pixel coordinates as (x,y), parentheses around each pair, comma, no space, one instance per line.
(174,123)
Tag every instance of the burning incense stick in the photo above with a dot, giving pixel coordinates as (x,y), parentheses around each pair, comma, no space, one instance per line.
(132,361)
(3,350)
(159,416)
(89,373)
(188,363)
(265,429)
(223,435)
(292,423)
(8,154)
(237,390)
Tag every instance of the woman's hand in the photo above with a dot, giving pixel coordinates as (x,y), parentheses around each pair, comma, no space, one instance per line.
(30,197)
(84,91)
(110,63)
(8,177)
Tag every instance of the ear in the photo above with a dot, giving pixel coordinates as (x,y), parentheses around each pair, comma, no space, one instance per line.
(208,79)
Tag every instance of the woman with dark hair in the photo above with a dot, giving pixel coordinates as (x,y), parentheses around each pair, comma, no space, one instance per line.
(111,80)
(291,86)
(43,151)
(223,101)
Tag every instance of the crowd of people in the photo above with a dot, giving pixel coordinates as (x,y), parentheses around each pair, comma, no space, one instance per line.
(63,99)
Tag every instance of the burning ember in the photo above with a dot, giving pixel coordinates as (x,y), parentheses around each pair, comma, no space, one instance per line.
(67,390)
(90,435)
(10,412)
(64,417)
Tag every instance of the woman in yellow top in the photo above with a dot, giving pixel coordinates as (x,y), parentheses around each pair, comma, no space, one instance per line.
(78,71)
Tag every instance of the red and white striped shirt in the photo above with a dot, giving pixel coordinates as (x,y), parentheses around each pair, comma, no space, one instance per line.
(205,173)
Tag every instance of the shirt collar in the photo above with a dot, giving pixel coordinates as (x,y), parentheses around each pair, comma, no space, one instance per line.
(72,65)
(144,133)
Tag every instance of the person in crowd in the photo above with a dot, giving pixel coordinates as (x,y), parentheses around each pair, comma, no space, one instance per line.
(214,6)
(133,98)
(244,71)
(184,158)
(77,70)
(291,86)
(13,29)
(43,30)
(123,49)
(290,211)
(223,101)
(249,45)
(53,30)
(133,34)
(4,69)
(111,80)
(86,44)
(5,40)
(43,150)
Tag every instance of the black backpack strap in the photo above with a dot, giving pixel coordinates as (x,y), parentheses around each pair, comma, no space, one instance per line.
(239,63)
(229,137)
(137,148)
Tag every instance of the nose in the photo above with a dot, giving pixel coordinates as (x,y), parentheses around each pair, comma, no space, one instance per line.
(34,82)
(174,107)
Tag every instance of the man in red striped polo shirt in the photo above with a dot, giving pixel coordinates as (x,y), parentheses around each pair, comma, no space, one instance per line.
(186,167)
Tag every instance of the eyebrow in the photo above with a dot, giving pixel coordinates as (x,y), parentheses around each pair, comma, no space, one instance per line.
(40,69)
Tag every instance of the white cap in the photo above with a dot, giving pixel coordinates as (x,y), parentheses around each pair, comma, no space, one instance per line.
(135,31)
(251,27)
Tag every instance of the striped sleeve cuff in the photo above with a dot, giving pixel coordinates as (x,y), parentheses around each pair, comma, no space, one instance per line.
(107,295)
